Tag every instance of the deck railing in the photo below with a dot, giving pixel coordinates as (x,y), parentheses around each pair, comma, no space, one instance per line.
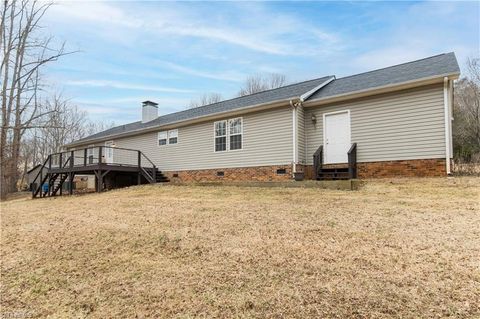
(93,156)
(352,161)
(318,161)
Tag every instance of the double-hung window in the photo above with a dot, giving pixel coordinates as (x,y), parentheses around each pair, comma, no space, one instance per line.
(235,132)
(168,137)
(172,137)
(220,136)
(228,135)
(162,138)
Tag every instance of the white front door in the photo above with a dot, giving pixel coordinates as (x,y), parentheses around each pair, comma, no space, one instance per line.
(336,137)
(109,152)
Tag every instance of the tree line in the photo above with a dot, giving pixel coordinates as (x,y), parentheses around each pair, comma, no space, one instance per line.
(36,121)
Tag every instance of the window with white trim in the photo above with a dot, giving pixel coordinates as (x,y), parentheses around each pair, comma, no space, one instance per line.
(228,134)
(162,138)
(168,137)
(172,137)
(235,132)
(220,136)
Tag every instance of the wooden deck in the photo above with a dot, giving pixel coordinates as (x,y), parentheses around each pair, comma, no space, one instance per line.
(106,163)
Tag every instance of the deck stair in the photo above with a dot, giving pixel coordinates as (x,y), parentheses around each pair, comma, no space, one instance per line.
(104,162)
(160,177)
(337,171)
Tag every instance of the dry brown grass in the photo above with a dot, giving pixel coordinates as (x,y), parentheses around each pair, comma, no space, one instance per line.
(397,248)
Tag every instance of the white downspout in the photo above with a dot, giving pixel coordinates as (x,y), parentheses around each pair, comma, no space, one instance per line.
(294,133)
(447,124)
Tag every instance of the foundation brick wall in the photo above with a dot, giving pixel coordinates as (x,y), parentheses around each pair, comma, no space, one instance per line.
(384,169)
(404,168)
(259,173)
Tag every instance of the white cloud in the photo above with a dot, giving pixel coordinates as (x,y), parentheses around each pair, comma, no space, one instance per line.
(257,30)
(127,86)
(224,75)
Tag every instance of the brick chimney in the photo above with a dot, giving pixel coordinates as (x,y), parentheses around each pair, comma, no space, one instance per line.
(149,111)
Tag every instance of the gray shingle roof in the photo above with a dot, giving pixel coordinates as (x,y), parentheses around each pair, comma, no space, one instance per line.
(438,65)
(433,66)
(291,91)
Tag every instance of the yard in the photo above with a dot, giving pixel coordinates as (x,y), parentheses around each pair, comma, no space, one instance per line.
(399,248)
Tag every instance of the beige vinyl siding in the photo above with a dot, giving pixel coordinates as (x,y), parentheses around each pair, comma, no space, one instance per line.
(397,126)
(267,140)
(301,135)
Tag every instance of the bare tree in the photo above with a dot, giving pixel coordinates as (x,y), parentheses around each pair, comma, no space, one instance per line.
(25,52)
(93,127)
(466,126)
(63,123)
(206,99)
(258,83)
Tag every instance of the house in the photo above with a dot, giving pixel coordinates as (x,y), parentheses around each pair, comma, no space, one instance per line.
(394,121)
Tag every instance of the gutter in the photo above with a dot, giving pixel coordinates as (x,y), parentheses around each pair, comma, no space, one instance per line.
(153,128)
(446,102)
(381,89)
(294,135)
(273,104)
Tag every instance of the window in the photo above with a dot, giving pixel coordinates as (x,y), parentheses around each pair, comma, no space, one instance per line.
(168,137)
(228,135)
(220,136)
(90,153)
(162,138)
(172,137)
(235,133)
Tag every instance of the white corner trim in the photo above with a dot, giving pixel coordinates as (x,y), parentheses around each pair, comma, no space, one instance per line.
(306,95)
(447,124)
(294,136)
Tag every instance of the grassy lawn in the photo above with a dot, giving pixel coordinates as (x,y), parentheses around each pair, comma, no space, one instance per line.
(396,248)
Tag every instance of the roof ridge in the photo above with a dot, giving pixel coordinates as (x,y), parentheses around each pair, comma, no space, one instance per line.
(239,97)
(395,65)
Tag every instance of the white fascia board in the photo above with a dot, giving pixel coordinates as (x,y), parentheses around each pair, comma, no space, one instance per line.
(381,89)
(243,110)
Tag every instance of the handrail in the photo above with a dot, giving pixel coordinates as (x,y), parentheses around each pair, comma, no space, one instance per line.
(317,161)
(352,161)
(40,172)
(152,176)
(43,166)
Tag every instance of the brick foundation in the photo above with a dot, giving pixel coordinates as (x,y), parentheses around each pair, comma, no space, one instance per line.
(405,168)
(259,173)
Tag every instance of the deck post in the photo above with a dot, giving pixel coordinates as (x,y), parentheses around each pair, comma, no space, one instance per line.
(61,186)
(85,157)
(70,185)
(139,178)
(60,161)
(99,181)
(72,158)
(139,159)
(99,155)
(96,181)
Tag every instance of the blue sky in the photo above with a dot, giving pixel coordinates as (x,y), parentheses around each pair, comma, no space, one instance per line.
(172,52)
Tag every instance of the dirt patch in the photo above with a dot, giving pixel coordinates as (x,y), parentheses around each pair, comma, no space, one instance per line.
(399,248)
